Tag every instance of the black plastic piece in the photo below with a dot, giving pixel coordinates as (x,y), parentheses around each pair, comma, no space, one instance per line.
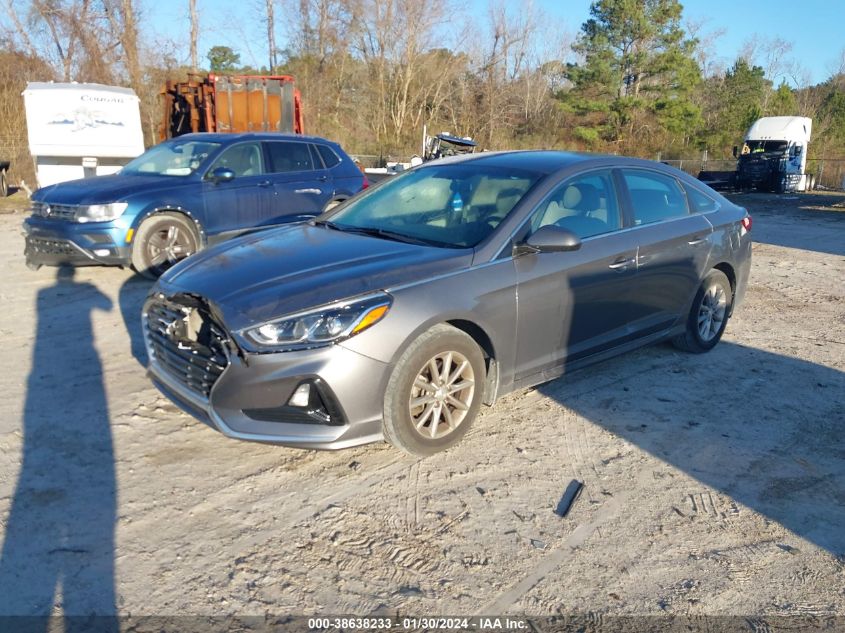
(572,492)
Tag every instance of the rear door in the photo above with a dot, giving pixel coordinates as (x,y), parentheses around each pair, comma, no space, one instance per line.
(574,304)
(301,182)
(244,202)
(673,248)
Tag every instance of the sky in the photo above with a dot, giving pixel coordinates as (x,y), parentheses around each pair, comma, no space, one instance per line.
(815,28)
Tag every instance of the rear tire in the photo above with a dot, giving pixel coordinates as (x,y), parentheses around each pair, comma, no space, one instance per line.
(161,241)
(4,186)
(708,315)
(434,392)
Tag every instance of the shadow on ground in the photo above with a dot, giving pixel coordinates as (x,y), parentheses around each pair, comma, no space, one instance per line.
(786,460)
(58,549)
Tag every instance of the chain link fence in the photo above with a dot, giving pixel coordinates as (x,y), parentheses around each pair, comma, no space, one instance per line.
(829,172)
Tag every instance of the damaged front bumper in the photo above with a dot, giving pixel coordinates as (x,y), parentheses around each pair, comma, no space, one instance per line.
(324,398)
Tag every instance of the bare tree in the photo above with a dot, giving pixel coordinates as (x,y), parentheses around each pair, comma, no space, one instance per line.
(195,29)
(271,36)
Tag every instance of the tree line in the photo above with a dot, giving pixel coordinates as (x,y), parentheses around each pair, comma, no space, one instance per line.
(635,78)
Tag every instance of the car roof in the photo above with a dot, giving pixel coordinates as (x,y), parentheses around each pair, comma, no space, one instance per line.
(255,136)
(550,161)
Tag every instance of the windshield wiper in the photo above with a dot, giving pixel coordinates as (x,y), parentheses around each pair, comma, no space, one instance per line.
(377,232)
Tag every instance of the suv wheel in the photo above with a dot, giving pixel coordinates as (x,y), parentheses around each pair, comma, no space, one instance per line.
(708,316)
(161,241)
(434,392)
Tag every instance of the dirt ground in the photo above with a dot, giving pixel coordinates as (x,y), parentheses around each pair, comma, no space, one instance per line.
(714,484)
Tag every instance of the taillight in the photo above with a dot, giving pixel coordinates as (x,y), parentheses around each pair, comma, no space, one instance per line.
(746,222)
(366,184)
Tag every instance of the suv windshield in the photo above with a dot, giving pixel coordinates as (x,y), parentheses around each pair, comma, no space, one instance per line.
(173,158)
(454,206)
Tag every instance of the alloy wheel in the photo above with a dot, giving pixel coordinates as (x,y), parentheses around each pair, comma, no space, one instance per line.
(169,245)
(711,312)
(441,395)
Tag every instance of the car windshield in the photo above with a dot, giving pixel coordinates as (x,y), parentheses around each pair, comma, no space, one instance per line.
(453,206)
(173,158)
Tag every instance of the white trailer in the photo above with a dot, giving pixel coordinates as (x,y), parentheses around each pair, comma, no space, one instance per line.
(81,130)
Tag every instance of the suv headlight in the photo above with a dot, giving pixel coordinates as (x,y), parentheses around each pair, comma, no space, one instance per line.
(101,212)
(320,326)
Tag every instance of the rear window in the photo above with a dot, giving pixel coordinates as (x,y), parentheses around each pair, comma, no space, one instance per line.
(289,156)
(654,197)
(330,159)
(699,201)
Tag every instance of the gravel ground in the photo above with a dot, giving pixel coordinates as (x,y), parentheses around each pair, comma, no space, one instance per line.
(714,484)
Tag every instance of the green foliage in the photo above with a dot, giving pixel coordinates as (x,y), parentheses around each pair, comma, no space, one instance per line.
(223,59)
(782,102)
(638,70)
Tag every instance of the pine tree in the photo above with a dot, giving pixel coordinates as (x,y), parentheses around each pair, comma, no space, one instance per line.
(638,72)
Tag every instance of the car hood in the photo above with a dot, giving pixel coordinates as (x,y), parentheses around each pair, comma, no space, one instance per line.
(105,189)
(272,273)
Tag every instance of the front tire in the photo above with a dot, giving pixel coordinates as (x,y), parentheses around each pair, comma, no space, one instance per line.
(161,241)
(434,392)
(4,185)
(708,315)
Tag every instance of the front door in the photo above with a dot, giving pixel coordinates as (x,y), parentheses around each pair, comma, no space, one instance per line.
(573,304)
(242,203)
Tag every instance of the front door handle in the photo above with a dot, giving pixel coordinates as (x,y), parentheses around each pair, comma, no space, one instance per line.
(264,183)
(696,241)
(622,265)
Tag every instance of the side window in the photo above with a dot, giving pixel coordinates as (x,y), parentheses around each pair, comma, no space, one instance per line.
(329,157)
(586,205)
(289,156)
(699,201)
(654,197)
(244,159)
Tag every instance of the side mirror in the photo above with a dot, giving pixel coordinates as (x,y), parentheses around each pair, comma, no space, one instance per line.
(222,174)
(796,150)
(552,239)
(736,151)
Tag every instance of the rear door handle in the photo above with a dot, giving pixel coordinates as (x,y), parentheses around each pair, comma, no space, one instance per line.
(621,265)
(696,241)
(264,183)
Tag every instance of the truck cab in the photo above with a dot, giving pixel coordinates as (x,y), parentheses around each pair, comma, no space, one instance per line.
(773,156)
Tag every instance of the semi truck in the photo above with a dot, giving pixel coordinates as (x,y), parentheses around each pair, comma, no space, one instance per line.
(231,103)
(773,157)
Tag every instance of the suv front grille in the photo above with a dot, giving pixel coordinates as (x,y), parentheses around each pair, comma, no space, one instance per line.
(187,344)
(54,211)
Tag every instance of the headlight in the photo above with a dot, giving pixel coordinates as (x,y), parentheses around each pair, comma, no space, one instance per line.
(101,212)
(320,326)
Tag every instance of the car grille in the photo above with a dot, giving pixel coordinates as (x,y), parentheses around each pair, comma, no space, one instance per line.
(195,364)
(54,211)
(51,247)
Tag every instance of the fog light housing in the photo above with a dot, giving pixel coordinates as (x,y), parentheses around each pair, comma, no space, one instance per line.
(302,396)
(312,402)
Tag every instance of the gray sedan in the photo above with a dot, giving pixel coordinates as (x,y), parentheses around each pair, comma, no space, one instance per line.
(400,312)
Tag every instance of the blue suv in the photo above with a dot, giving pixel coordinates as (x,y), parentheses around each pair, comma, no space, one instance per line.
(185,194)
